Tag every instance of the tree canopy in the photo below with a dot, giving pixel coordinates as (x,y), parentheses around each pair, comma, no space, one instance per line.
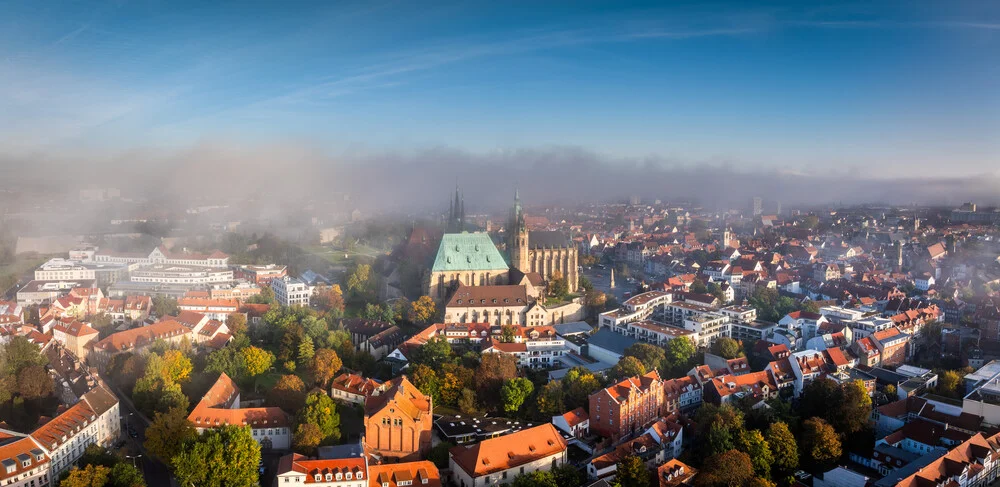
(220,457)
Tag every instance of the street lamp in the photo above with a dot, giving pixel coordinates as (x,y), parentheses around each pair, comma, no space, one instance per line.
(133,457)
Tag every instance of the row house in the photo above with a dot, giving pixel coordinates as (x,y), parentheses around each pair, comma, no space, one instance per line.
(216,309)
(973,462)
(627,406)
(93,420)
(682,394)
(23,463)
(537,347)
(353,388)
(137,340)
(754,386)
(296,469)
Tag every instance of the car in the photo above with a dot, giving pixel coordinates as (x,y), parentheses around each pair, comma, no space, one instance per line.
(133,433)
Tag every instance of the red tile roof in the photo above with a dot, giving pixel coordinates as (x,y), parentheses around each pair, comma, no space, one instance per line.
(509,451)
(140,337)
(422,473)
(214,409)
(17,451)
(311,468)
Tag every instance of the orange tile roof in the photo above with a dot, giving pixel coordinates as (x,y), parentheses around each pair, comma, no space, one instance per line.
(311,467)
(675,473)
(214,409)
(140,337)
(73,420)
(966,454)
(355,384)
(576,417)
(18,451)
(509,451)
(620,391)
(414,472)
(404,395)
(75,328)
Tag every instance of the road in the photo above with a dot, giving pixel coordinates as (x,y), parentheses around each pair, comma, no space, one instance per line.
(155,472)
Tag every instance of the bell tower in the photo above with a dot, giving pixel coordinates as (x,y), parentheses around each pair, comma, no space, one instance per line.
(518,239)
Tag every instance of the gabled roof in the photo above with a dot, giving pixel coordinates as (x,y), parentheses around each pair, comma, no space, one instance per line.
(421,473)
(403,396)
(311,467)
(509,451)
(140,337)
(468,252)
(214,409)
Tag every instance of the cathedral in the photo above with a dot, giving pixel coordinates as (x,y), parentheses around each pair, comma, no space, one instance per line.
(533,258)
(546,253)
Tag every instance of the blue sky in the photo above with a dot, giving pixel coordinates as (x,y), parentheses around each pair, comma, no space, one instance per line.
(877,87)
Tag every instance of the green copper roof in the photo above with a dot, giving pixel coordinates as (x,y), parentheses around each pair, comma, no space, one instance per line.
(468,252)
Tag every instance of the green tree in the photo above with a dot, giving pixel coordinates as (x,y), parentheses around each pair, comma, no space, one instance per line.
(33,382)
(219,457)
(434,353)
(651,356)
(855,408)
(550,399)
(948,383)
(439,454)
(627,367)
(426,380)
(508,333)
(538,478)
(578,384)
(168,433)
(322,411)
(237,323)
(126,475)
(783,447)
(820,444)
(163,306)
(753,444)
(631,471)
(698,287)
(727,348)
(257,360)
(94,454)
(728,469)
(679,355)
(514,392)
(467,402)
(567,476)
(306,351)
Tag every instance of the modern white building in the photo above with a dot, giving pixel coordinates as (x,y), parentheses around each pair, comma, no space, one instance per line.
(181,274)
(290,291)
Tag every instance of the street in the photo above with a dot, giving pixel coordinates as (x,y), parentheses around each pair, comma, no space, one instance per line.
(156,473)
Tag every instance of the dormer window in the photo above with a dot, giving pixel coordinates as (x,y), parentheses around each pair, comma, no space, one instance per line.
(318,477)
(340,476)
(329,477)
(360,475)
(349,476)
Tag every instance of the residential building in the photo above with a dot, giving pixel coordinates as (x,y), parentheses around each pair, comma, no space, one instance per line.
(498,461)
(539,347)
(494,304)
(892,345)
(681,394)
(420,474)
(289,291)
(216,309)
(575,423)
(137,340)
(656,333)
(353,388)
(756,386)
(270,426)
(298,469)
(44,292)
(376,338)
(95,419)
(675,473)
(973,462)
(398,422)
(23,463)
(627,406)
(75,336)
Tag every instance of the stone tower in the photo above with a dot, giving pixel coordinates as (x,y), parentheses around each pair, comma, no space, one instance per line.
(518,238)
(898,255)
(456,213)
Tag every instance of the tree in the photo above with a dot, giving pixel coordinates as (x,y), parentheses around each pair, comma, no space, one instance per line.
(728,469)
(727,348)
(718,429)
(450,387)
(494,370)
(289,393)
(237,323)
(467,401)
(507,334)
(176,367)
(307,438)
(783,447)
(651,356)
(325,365)
(439,454)
(227,360)
(322,411)
(567,476)
(435,352)
(679,354)
(595,300)
(948,383)
(330,299)
(359,281)
(890,391)
(538,478)
(514,392)
(698,287)
(426,380)
(306,351)
(716,291)
(628,367)
(219,457)
(126,475)
(820,444)
(34,382)
(753,444)
(577,385)
(631,471)
(168,433)
(164,305)
(855,408)
(94,454)
(422,310)
(257,360)
(550,399)
(90,476)
(559,288)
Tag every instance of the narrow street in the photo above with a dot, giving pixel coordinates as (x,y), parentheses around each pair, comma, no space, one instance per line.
(155,472)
